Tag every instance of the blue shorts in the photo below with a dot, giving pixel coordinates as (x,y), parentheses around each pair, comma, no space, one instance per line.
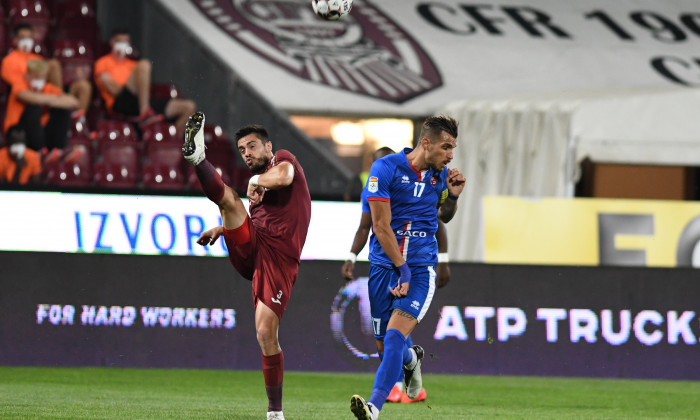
(382,302)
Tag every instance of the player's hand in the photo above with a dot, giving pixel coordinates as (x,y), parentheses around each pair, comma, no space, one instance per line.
(455,182)
(210,236)
(255,194)
(401,288)
(443,274)
(347,270)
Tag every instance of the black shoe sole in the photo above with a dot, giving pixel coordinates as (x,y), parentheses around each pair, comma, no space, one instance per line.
(358,409)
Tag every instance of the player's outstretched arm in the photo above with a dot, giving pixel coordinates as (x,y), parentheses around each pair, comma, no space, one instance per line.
(357,244)
(210,236)
(277,177)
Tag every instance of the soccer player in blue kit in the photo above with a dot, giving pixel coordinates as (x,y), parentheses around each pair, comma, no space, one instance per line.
(407,192)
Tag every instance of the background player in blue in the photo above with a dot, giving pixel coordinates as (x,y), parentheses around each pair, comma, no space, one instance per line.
(442,270)
(406,191)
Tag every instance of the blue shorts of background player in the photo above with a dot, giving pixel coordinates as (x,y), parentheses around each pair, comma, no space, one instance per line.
(382,302)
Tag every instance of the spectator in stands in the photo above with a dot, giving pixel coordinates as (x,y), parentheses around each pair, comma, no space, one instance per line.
(125,85)
(41,110)
(14,67)
(18,165)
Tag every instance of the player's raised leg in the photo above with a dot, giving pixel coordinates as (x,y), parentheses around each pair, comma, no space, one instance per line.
(233,212)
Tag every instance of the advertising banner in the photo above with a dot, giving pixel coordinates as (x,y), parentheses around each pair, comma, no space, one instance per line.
(148,225)
(188,312)
(652,233)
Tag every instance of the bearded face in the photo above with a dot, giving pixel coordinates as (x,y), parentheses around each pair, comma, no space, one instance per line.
(254,152)
(440,152)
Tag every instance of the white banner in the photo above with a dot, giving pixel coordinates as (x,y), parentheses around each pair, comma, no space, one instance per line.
(149,225)
(410,57)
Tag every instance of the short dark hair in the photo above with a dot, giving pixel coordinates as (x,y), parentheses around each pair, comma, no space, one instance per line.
(381,152)
(433,126)
(21,26)
(259,131)
(119,30)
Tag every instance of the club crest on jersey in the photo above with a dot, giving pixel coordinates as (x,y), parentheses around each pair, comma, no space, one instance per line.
(433,181)
(373,184)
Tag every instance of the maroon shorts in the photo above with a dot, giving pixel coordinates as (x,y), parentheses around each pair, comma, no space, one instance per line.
(272,272)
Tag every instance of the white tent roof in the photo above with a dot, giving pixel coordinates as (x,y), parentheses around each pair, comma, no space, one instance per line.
(531,146)
(657,128)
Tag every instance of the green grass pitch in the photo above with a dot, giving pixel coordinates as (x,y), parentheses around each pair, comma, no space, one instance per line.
(110,393)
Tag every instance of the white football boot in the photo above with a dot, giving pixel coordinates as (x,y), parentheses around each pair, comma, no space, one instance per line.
(412,375)
(193,148)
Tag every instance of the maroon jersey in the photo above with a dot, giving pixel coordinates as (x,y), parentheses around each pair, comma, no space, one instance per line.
(282,218)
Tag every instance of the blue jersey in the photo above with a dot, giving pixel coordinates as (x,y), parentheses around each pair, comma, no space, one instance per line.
(414,197)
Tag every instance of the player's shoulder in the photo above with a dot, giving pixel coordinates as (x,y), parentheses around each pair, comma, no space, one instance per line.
(284,155)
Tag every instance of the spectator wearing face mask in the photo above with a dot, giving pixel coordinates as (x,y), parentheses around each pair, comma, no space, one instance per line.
(41,110)
(18,165)
(125,86)
(14,67)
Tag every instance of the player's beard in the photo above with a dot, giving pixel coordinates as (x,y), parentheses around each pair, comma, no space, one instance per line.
(258,166)
(437,166)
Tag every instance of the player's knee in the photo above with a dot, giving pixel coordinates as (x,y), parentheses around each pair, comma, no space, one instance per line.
(267,337)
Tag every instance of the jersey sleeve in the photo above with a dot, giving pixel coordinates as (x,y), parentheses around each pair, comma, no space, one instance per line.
(379,181)
(285,156)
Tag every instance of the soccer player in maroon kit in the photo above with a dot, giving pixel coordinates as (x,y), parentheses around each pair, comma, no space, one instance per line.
(264,247)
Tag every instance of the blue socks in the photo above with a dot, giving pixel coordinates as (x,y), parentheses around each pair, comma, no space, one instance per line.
(392,365)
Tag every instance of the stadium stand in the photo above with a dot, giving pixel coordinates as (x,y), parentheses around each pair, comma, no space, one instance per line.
(76,57)
(76,172)
(220,154)
(118,166)
(106,151)
(33,12)
(162,157)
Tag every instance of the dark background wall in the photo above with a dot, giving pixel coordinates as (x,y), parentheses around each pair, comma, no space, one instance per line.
(70,309)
